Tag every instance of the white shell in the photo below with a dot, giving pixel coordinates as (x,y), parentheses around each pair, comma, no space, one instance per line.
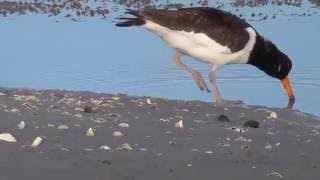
(273,115)
(7,137)
(90,132)
(124,125)
(21,125)
(117,133)
(1,94)
(125,146)
(36,142)
(149,101)
(179,124)
(105,147)
(268,146)
(62,127)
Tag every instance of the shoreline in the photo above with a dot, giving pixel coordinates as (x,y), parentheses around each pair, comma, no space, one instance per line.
(151,138)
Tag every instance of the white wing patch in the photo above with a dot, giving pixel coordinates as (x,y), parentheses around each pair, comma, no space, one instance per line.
(200,46)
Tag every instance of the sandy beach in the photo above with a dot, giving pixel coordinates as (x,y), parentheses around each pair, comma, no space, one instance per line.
(143,138)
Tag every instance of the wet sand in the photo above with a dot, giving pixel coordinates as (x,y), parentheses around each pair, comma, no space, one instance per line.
(231,142)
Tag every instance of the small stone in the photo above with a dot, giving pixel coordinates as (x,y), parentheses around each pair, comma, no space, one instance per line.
(223,118)
(252,124)
(179,124)
(117,133)
(62,127)
(125,146)
(87,109)
(21,125)
(124,125)
(90,132)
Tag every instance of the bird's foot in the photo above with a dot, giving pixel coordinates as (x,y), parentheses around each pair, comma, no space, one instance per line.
(200,81)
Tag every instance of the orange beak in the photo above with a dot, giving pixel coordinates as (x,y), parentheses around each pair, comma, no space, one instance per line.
(287,86)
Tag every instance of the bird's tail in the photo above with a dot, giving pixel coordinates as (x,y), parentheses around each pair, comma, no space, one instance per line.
(138,20)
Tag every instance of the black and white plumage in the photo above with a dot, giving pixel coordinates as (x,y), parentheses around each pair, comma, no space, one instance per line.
(215,37)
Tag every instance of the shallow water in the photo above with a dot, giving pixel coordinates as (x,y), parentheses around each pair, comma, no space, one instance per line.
(89,53)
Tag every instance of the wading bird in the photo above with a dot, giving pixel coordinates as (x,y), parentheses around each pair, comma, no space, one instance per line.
(216,37)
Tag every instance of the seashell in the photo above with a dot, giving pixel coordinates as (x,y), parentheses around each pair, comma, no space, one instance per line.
(90,132)
(36,142)
(124,125)
(179,124)
(62,127)
(117,133)
(21,125)
(115,98)
(2,94)
(273,115)
(143,149)
(208,152)
(105,147)
(149,101)
(31,98)
(14,110)
(125,146)
(268,146)
(7,137)
(78,115)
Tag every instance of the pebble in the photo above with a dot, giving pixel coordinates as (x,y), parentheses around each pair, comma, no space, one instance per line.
(87,109)
(223,118)
(252,124)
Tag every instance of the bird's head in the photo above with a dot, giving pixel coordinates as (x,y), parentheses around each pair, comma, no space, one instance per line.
(275,63)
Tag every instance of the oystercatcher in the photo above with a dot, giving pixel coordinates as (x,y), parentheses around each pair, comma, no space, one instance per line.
(216,37)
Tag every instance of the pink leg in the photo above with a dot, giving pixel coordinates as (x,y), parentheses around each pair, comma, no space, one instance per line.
(219,99)
(195,74)
(213,81)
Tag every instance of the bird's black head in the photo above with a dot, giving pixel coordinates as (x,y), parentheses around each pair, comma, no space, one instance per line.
(268,58)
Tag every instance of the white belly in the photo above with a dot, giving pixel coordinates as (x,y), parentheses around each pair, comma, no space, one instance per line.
(201,47)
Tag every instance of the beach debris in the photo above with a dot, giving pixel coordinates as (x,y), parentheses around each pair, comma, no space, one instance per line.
(268,146)
(21,125)
(223,118)
(273,115)
(7,137)
(87,109)
(125,146)
(278,144)
(189,165)
(90,132)
(117,134)
(237,129)
(36,142)
(63,127)
(252,124)
(105,147)
(208,152)
(124,125)
(275,174)
(179,124)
